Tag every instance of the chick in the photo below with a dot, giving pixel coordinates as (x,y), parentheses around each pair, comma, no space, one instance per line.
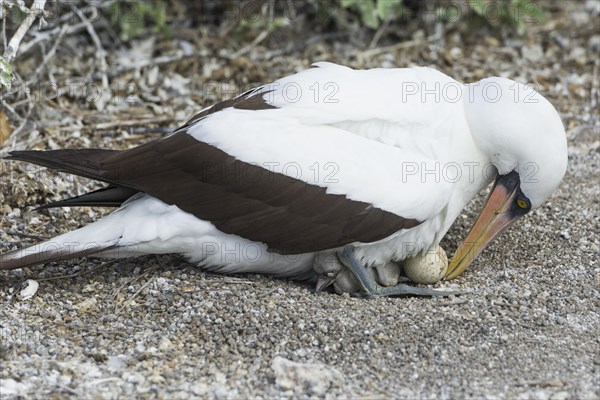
(331,271)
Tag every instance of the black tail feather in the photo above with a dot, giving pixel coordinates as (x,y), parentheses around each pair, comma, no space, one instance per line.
(110,196)
(83,162)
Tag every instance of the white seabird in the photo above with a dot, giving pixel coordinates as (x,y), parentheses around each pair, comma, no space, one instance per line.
(374,165)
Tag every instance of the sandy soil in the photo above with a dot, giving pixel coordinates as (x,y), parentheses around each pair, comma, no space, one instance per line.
(157,327)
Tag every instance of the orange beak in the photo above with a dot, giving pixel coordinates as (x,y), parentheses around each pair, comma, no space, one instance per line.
(498,214)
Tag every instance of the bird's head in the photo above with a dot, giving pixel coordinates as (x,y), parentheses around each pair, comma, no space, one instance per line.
(524,139)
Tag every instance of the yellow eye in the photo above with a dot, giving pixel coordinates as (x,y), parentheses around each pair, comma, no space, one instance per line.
(522,203)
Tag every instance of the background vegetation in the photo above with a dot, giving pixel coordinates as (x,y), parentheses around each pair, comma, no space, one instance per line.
(132,19)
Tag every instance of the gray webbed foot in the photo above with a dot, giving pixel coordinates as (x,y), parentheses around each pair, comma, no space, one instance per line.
(370,288)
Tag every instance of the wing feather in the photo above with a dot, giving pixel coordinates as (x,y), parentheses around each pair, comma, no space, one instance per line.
(289,215)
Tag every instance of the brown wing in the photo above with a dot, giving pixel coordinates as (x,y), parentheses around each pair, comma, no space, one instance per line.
(287,214)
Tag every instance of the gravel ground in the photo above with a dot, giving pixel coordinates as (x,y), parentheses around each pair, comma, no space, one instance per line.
(157,327)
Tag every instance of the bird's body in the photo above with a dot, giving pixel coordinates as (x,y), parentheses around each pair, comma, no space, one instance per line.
(383,160)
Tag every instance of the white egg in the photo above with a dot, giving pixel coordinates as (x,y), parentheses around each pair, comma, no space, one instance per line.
(428,267)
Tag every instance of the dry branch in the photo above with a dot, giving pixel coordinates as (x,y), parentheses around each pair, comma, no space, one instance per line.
(36,9)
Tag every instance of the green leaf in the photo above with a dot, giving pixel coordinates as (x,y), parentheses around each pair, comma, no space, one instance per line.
(529,11)
(512,13)
(130,18)
(447,14)
(478,6)
(366,9)
(368,13)
(6,74)
(389,9)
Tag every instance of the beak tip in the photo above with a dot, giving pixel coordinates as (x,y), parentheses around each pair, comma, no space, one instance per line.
(454,270)
(322,283)
(450,277)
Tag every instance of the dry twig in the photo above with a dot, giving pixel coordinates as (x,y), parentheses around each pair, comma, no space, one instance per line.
(100,52)
(27,235)
(36,9)
(151,62)
(119,124)
(87,271)
(48,56)
(47,34)
(262,36)
(121,305)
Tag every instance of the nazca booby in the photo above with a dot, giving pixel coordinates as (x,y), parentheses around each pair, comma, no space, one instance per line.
(373,165)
